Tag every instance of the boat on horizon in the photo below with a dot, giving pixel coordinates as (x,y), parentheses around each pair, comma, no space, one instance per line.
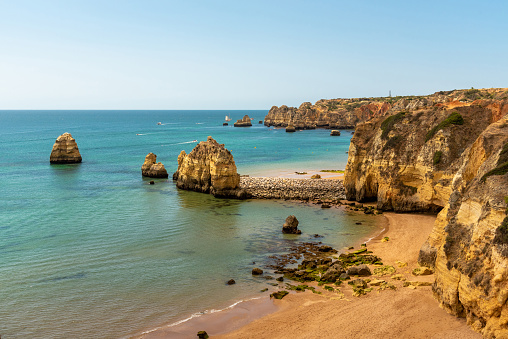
(227,118)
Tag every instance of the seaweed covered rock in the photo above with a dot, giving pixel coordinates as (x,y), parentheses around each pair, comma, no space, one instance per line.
(65,150)
(153,169)
(209,168)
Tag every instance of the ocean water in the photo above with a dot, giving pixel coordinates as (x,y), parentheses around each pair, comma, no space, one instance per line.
(92,250)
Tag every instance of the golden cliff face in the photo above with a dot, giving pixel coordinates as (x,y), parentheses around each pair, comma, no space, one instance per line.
(406,161)
(469,243)
(449,152)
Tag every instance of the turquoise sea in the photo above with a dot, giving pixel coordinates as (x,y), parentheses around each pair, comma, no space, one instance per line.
(93,251)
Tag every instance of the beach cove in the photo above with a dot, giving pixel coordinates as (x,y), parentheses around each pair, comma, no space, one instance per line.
(92,249)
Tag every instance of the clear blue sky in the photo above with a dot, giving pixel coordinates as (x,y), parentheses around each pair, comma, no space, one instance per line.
(145,54)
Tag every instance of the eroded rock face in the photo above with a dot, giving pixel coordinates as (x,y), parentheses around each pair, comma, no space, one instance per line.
(65,150)
(244,122)
(209,168)
(153,169)
(404,162)
(469,243)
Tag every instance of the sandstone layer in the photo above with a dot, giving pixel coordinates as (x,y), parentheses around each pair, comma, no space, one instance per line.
(65,150)
(209,168)
(450,154)
(153,169)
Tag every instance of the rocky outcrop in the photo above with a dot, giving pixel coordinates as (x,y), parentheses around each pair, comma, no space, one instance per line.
(448,153)
(244,122)
(153,169)
(469,243)
(65,150)
(209,168)
(291,226)
(406,161)
(335,133)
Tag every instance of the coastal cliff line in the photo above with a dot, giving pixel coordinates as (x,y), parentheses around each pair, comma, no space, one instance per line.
(448,153)
(347,113)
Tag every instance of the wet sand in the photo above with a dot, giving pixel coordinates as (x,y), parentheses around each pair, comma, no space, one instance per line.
(401,313)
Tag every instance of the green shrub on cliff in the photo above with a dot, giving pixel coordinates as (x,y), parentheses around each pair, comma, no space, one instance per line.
(388,124)
(454,119)
(392,142)
(437,157)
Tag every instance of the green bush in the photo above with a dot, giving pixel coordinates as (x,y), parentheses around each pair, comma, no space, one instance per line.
(388,124)
(437,157)
(392,142)
(454,119)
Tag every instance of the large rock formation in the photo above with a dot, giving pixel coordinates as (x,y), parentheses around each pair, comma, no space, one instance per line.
(406,161)
(244,122)
(65,150)
(469,243)
(209,168)
(449,154)
(153,169)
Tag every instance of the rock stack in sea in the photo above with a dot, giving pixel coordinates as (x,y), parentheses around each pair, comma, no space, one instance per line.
(244,122)
(209,168)
(153,169)
(65,150)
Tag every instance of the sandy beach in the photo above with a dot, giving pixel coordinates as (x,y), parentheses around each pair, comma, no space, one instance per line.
(401,313)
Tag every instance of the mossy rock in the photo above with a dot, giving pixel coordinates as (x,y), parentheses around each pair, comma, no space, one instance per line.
(384,270)
(279,294)
(422,271)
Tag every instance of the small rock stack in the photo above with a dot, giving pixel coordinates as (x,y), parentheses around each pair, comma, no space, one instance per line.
(153,169)
(65,150)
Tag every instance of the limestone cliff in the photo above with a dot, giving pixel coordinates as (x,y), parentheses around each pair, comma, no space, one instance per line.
(209,168)
(347,113)
(469,243)
(65,150)
(406,161)
(153,169)
(448,153)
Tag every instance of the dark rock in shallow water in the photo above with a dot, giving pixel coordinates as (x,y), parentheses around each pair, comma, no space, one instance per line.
(257,271)
(152,182)
(279,294)
(291,226)
(224,124)
(280,279)
(231,282)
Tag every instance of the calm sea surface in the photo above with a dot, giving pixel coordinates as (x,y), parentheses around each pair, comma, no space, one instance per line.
(93,251)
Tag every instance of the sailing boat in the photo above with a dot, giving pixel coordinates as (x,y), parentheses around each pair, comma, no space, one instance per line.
(227,118)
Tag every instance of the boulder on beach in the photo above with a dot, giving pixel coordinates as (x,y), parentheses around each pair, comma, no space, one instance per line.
(209,168)
(291,226)
(244,122)
(153,169)
(360,270)
(65,150)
